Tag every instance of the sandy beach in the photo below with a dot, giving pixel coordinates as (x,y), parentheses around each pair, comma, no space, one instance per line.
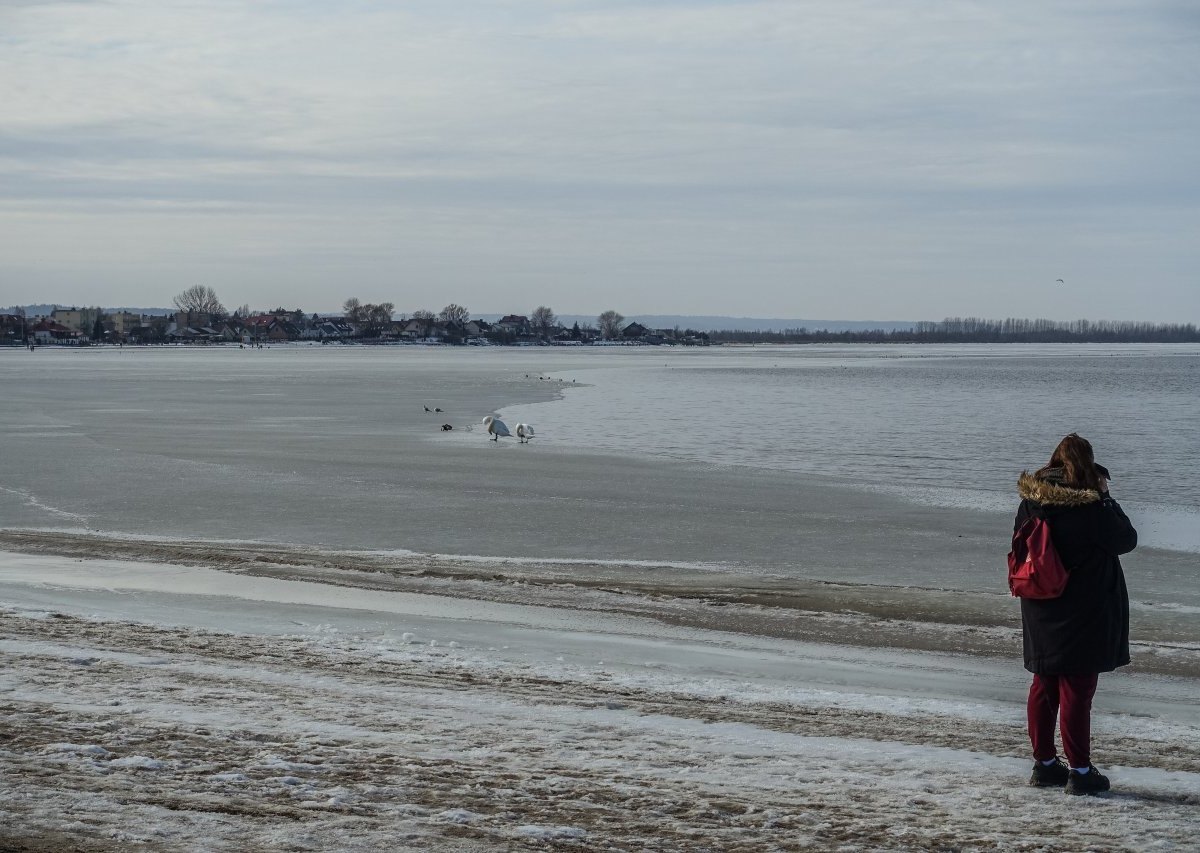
(269,705)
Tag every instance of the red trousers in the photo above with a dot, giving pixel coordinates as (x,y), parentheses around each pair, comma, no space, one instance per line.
(1069,698)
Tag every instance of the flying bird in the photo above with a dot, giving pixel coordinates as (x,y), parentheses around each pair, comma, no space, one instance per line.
(524,433)
(1060,281)
(496,428)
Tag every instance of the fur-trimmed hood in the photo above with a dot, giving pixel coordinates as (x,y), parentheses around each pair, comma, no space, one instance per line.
(1049,493)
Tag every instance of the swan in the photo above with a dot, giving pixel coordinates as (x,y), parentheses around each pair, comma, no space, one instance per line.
(524,433)
(495,428)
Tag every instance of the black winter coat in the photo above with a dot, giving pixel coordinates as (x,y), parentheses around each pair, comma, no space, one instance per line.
(1086,629)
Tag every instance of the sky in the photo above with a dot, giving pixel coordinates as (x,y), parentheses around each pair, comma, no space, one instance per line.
(835,159)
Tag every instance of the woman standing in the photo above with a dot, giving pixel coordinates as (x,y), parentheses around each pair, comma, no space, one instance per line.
(1071,639)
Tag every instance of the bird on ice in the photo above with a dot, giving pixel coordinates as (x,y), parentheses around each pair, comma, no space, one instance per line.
(496,428)
(524,433)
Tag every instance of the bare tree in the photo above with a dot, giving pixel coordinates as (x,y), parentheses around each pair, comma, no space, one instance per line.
(543,320)
(243,310)
(380,314)
(453,313)
(610,324)
(352,309)
(200,299)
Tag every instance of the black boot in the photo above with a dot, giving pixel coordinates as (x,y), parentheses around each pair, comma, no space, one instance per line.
(1092,782)
(1049,775)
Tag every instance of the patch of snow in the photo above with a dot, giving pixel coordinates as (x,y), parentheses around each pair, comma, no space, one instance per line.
(79,749)
(340,797)
(551,833)
(25,613)
(458,816)
(273,762)
(136,762)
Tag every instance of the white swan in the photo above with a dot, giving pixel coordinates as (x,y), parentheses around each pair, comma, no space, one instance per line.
(524,433)
(495,428)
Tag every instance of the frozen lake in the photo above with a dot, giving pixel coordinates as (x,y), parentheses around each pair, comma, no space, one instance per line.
(881,465)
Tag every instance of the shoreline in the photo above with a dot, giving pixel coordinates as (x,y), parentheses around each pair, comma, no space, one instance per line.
(984,624)
(575,346)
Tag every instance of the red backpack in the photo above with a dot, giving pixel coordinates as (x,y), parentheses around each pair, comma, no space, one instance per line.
(1034,567)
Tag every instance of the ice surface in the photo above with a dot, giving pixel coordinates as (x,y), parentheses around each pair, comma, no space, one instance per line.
(301,446)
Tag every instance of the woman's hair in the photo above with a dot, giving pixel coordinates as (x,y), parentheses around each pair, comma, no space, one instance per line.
(1074,458)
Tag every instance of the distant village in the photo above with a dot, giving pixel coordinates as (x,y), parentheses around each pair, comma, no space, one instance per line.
(200,319)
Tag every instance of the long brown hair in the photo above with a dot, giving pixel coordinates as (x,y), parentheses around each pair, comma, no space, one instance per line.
(1075,459)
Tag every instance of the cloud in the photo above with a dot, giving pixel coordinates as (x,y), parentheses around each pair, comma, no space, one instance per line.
(898,146)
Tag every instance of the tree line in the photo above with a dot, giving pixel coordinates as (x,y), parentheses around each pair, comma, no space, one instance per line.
(955,330)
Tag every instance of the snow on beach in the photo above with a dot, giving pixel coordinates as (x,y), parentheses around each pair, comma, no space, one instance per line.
(181,707)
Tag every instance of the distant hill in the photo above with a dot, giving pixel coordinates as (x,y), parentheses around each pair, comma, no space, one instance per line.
(30,310)
(46,308)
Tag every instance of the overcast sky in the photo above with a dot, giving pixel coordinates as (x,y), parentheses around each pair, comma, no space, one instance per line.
(854,159)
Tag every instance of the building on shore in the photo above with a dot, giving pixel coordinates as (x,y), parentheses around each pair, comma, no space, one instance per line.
(82,320)
(49,332)
(122,323)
